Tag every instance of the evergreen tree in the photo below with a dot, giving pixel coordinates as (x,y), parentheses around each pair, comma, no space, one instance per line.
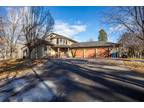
(102,35)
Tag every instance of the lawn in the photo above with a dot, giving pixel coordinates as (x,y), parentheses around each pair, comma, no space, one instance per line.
(137,66)
(16,67)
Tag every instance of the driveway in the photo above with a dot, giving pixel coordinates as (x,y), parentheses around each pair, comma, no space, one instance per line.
(76,80)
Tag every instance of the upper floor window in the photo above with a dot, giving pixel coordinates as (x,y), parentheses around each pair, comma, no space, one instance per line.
(57,41)
(61,42)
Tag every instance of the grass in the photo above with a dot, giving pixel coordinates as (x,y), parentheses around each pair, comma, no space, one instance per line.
(134,59)
(16,67)
(137,66)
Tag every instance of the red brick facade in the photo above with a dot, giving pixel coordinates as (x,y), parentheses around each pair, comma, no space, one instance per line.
(90,52)
(102,52)
(79,53)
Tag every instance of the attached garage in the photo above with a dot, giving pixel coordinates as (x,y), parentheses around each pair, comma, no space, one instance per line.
(90,53)
(78,53)
(93,49)
(102,52)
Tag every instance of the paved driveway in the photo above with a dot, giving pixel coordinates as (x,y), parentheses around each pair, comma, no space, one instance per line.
(79,80)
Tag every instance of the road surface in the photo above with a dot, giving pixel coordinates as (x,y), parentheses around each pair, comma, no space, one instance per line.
(73,80)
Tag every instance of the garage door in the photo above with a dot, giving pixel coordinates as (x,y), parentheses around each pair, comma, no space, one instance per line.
(78,53)
(102,52)
(90,53)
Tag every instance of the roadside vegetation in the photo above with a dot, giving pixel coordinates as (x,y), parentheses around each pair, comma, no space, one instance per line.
(137,66)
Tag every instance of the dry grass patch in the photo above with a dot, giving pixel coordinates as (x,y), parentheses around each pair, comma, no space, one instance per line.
(16,67)
(138,66)
(134,59)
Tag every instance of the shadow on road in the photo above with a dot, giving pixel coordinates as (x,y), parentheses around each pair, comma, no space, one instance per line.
(76,83)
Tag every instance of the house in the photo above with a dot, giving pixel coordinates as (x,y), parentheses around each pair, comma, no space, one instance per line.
(55,45)
(93,49)
(62,45)
(40,48)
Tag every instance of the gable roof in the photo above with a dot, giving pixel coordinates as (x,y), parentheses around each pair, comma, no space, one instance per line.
(62,37)
(94,44)
(37,42)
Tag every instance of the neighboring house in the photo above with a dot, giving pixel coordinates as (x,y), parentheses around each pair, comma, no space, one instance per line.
(55,45)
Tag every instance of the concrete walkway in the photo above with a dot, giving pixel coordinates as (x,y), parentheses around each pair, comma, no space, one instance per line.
(75,80)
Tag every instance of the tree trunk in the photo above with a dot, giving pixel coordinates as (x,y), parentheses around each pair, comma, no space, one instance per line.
(29,54)
(11,53)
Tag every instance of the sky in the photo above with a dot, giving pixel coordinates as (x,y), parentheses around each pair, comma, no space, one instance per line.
(81,23)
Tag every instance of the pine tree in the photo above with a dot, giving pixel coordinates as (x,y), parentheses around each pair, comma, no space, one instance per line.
(102,35)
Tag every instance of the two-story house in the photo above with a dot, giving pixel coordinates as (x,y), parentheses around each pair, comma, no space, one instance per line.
(55,45)
(62,45)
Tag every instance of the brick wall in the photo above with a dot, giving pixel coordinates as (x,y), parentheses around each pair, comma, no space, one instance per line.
(79,53)
(90,52)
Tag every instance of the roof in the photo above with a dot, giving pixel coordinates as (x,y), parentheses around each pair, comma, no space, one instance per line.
(94,44)
(38,42)
(63,37)
(62,46)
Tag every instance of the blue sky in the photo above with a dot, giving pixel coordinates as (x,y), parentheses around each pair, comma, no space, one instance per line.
(81,23)
(87,17)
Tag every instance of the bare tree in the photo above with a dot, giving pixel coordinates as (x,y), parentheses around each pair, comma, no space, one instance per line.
(12,29)
(133,44)
(73,51)
(37,23)
(132,18)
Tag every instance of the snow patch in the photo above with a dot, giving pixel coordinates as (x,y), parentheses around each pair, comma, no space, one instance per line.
(39,93)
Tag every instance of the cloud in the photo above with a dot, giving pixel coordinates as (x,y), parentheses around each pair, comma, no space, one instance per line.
(68,29)
(117,28)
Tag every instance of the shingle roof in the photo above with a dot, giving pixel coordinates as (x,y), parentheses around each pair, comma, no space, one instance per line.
(38,42)
(62,46)
(94,44)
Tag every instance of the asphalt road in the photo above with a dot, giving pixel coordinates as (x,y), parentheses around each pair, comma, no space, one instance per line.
(79,80)
(71,80)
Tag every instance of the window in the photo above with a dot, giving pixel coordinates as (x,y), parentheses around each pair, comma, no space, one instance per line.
(61,41)
(57,41)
